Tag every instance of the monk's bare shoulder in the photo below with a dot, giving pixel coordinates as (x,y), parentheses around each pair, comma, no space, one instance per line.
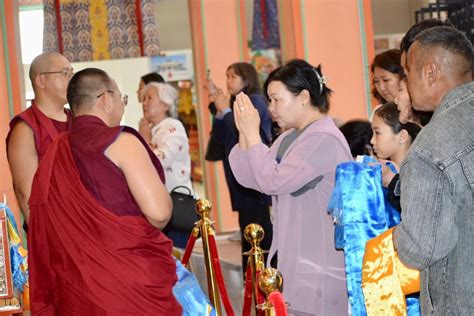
(126,147)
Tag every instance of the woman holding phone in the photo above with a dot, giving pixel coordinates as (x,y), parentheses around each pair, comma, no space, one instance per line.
(253,206)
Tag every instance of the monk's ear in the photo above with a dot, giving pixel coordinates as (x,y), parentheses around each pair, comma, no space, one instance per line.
(39,81)
(105,103)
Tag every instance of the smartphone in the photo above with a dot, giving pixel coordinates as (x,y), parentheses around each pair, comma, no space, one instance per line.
(210,84)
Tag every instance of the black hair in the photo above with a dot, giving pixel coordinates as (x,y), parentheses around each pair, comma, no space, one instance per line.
(424,117)
(410,36)
(152,77)
(249,75)
(298,75)
(388,112)
(358,134)
(388,60)
(85,86)
(449,39)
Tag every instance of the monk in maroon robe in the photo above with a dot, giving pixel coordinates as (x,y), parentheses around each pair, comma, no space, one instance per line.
(33,130)
(97,205)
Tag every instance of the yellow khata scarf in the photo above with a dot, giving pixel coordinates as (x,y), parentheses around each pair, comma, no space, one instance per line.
(385,279)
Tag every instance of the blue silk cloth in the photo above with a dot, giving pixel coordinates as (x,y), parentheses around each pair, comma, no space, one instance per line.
(18,259)
(189,294)
(361,212)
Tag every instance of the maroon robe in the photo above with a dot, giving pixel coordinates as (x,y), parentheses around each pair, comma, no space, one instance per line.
(45,130)
(86,260)
(89,139)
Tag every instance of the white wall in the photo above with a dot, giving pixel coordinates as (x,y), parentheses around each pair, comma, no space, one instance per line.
(395,16)
(126,72)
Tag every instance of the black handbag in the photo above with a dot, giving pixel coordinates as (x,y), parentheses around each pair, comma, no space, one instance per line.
(184,210)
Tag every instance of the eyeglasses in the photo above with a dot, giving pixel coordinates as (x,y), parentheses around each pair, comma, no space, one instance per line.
(67,73)
(123,97)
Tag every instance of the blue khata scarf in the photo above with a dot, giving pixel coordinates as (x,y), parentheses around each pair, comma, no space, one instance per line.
(190,295)
(361,212)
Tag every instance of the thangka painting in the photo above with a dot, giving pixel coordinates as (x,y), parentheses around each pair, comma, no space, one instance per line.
(265,61)
(5,274)
(84,30)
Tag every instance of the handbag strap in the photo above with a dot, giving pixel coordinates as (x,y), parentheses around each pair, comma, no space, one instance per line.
(182,187)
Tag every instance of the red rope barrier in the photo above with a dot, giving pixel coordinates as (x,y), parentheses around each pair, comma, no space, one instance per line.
(189,249)
(278,302)
(248,291)
(219,277)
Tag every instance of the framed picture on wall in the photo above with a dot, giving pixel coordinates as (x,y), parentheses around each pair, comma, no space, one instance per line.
(174,65)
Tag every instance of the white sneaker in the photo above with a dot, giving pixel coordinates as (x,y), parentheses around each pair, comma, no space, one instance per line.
(235,237)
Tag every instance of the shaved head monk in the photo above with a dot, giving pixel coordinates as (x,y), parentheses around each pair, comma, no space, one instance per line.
(33,130)
(97,204)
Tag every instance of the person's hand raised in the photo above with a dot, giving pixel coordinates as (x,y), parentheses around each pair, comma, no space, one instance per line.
(387,173)
(144,128)
(247,119)
(221,101)
(211,89)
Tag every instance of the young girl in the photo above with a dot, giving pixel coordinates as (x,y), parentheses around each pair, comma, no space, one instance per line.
(392,139)
(359,202)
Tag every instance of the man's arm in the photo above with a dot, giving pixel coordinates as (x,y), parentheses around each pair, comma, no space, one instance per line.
(129,154)
(428,231)
(23,161)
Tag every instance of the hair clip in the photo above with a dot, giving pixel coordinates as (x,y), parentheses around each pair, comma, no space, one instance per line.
(322,80)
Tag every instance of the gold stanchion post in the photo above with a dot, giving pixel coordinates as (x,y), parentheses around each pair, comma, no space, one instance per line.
(254,234)
(203,208)
(269,280)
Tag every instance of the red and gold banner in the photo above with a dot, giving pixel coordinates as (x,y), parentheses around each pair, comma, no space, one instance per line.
(84,30)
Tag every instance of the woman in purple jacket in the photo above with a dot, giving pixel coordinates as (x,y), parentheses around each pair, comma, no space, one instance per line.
(298,171)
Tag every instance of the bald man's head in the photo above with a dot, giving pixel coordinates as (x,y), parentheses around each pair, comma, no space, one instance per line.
(43,63)
(450,48)
(440,59)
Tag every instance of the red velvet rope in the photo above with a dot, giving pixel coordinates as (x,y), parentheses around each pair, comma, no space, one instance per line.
(278,302)
(248,291)
(219,277)
(189,249)
(59,27)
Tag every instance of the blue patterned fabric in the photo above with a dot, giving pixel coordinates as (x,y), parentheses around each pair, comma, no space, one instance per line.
(17,261)
(190,295)
(361,212)
(77,32)
(265,33)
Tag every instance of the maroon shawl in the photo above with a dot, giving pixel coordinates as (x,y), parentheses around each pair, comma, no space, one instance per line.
(45,130)
(85,260)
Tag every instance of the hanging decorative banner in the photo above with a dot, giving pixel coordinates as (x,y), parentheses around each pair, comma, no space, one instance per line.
(265,33)
(85,30)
